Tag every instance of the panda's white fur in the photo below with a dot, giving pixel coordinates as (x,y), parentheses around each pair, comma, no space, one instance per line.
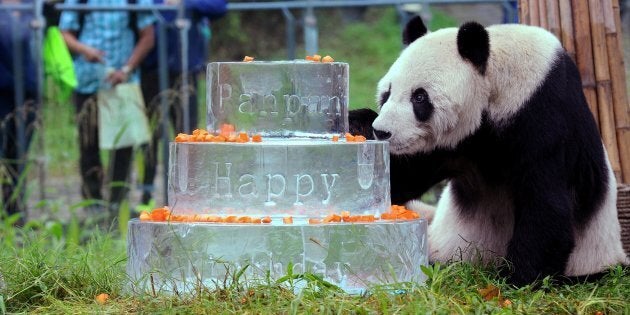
(460,96)
(519,61)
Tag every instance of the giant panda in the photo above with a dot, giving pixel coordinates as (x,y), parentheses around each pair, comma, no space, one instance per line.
(499,112)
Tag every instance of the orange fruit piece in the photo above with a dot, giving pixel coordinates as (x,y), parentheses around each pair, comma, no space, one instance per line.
(230,219)
(332,218)
(317,58)
(160,214)
(349,137)
(266,219)
(257,138)
(248,59)
(314,221)
(256,220)
(243,136)
(335,138)
(226,130)
(287,220)
(359,138)
(182,137)
(102,298)
(145,216)
(244,219)
(328,59)
(309,58)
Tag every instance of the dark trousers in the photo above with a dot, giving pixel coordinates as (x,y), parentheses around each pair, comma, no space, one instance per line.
(152,94)
(13,162)
(92,174)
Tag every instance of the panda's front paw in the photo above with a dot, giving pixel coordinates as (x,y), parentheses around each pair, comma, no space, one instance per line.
(360,122)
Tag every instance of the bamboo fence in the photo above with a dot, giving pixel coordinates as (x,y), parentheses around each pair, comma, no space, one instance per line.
(590,31)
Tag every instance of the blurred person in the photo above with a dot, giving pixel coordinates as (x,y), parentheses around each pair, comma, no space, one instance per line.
(200,13)
(16,107)
(109,45)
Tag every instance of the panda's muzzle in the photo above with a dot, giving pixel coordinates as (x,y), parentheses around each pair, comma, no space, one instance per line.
(382,135)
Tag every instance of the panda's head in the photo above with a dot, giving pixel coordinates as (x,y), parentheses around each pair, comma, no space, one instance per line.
(434,94)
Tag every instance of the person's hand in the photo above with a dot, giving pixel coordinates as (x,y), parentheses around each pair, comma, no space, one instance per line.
(117,77)
(92,54)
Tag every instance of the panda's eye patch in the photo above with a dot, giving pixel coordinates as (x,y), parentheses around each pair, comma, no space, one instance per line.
(385,96)
(422,106)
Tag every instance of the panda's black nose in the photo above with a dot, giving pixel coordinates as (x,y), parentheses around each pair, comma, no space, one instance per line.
(381,135)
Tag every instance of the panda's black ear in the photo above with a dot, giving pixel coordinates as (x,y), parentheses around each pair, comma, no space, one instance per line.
(473,44)
(414,29)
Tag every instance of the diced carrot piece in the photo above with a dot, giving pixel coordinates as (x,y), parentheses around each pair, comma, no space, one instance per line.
(328,59)
(349,137)
(287,220)
(317,58)
(332,218)
(160,214)
(230,219)
(335,138)
(145,216)
(232,138)
(359,138)
(102,298)
(257,138)
(367,218)
(243,136)
(266,219)
(244,219)
(226,130)
(314,221)
(387,216)
(248,59)
(182,137)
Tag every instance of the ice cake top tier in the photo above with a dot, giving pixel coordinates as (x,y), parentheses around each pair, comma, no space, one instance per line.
(279,98)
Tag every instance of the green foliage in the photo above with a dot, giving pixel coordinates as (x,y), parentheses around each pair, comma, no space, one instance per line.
(45,276)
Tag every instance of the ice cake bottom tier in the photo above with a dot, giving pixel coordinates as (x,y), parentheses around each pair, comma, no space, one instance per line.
(179,257)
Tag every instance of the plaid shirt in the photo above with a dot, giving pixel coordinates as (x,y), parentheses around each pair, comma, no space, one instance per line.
(109,32)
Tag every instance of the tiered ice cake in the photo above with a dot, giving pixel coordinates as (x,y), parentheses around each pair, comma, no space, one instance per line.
(299,198)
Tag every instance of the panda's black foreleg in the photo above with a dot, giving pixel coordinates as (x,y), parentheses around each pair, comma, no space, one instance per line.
(543,237)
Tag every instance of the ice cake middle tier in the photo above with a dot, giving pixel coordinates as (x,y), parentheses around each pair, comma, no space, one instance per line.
(288,177)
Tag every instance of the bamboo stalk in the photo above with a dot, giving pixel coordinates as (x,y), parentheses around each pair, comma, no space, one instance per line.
(619,93)
(604,85)
(542,8)
(584,53)
(534,13)
(523,11)
(566,27)
(553,17)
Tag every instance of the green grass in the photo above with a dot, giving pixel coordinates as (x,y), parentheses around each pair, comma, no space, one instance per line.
(48,275)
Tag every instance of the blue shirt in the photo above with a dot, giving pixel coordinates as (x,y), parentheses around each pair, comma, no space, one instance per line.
(109,32)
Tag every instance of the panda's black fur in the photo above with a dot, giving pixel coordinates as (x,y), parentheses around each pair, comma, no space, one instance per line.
(540,174)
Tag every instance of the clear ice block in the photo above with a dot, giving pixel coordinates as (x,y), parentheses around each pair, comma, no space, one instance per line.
(280,98)
(300,178)
(179,256)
